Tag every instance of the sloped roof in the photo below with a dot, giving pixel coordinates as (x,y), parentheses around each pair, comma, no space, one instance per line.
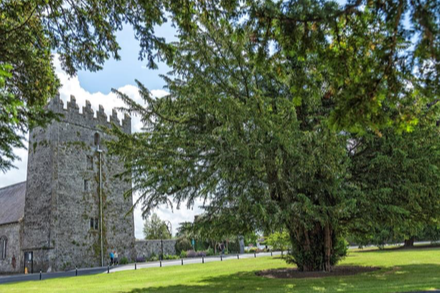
(12,203)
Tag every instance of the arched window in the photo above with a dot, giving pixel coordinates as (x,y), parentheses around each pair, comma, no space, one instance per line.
(97,139)
(3,243)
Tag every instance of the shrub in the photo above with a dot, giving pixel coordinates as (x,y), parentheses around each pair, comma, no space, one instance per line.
(153,257)
(183,254)
(170,256)
(233,247)
(191,253)
(123,261)
(200,253)
(182,244)
(210,251)
(140,259)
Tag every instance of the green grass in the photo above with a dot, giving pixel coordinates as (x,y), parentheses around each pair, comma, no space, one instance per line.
(402,270)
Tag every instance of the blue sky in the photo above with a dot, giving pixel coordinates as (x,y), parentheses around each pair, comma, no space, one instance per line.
(96,87)
(117,74)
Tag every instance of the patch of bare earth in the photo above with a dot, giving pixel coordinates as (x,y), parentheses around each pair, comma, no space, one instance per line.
(293,273)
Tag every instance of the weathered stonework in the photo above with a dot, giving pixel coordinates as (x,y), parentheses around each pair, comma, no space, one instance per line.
(55,215)
(145,248)
(63,192)
(13,261)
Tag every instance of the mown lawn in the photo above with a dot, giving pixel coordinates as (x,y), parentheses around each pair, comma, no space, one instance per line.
(402,270)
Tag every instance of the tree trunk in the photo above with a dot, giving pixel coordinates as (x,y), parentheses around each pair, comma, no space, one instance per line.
(409,242)
(313,249)
(327,247)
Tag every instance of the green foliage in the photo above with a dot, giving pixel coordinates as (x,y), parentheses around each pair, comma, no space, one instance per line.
(155,228)
(123,261)
(279,240)
(170,257)
(153,257)
(254,117)
(83,33)
(210,252)
(183,254)
(400,177)
(183,244)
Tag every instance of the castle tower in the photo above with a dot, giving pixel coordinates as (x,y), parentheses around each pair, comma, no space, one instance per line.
(74,204)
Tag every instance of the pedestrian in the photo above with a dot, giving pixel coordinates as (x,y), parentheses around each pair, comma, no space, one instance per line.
(116,258)
(111,257)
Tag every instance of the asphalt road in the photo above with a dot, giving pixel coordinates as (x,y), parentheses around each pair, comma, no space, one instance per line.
(104,270)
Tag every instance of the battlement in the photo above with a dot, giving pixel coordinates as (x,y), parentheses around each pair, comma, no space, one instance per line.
(87,117)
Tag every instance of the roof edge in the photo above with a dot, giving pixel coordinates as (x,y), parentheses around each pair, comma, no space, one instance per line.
(4,187)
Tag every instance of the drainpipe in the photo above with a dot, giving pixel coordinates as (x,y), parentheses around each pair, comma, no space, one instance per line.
(100,205)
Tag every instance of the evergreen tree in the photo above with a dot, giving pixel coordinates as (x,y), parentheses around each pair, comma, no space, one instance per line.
(259,94)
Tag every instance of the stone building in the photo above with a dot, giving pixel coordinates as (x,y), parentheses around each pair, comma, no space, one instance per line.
(71,211)
(11,226)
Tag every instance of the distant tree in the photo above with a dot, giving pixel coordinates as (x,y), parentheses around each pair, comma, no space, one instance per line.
(155,228)
(279,240)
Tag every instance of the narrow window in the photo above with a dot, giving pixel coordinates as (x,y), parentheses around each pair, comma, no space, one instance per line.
(86,185)
(89,162)
(3,242)
(97,139)
(94,224)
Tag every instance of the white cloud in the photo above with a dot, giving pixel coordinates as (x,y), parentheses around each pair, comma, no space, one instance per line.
(16,175)
(71,86)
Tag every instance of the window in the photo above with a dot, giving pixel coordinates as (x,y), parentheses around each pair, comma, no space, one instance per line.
(86,185)
(3,243)
(97,139)
(89,162)
(94,223)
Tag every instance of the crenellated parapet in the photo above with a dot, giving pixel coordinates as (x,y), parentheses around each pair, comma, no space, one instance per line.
(87,118)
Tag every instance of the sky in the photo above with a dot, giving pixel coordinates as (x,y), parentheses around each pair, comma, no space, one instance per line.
(96,87)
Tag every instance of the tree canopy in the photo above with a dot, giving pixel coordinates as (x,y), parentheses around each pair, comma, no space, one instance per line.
(266,100)
(155,228)
(365,57)
(265,97)
(83,35)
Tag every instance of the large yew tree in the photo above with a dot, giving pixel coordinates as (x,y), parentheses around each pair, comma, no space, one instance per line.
(268,103)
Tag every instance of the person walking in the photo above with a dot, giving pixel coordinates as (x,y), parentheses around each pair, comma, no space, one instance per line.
(115,257)
(112,256)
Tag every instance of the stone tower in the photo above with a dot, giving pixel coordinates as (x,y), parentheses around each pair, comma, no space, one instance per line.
(71,183)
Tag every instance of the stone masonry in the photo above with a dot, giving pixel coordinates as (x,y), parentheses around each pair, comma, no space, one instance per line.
(13,261)
(52,222)
(145,248)
(62,205)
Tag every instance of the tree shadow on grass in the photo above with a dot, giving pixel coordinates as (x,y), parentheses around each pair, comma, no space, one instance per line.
(407,278)
(398,248)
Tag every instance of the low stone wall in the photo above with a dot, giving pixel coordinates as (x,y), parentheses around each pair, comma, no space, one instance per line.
(145,248)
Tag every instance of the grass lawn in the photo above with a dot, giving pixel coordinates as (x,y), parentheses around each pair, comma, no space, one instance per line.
(402,270)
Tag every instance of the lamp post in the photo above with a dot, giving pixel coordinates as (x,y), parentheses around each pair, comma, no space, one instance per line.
(100,204)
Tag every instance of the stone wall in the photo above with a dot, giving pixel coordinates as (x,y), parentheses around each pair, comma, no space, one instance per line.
(63,192)
(145,248)
(13,262)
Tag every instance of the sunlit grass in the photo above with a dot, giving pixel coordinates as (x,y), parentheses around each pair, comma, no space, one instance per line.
(402,270)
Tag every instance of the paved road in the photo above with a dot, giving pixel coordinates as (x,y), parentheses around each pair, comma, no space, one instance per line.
(36,276)
(186,261)
(100,270)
